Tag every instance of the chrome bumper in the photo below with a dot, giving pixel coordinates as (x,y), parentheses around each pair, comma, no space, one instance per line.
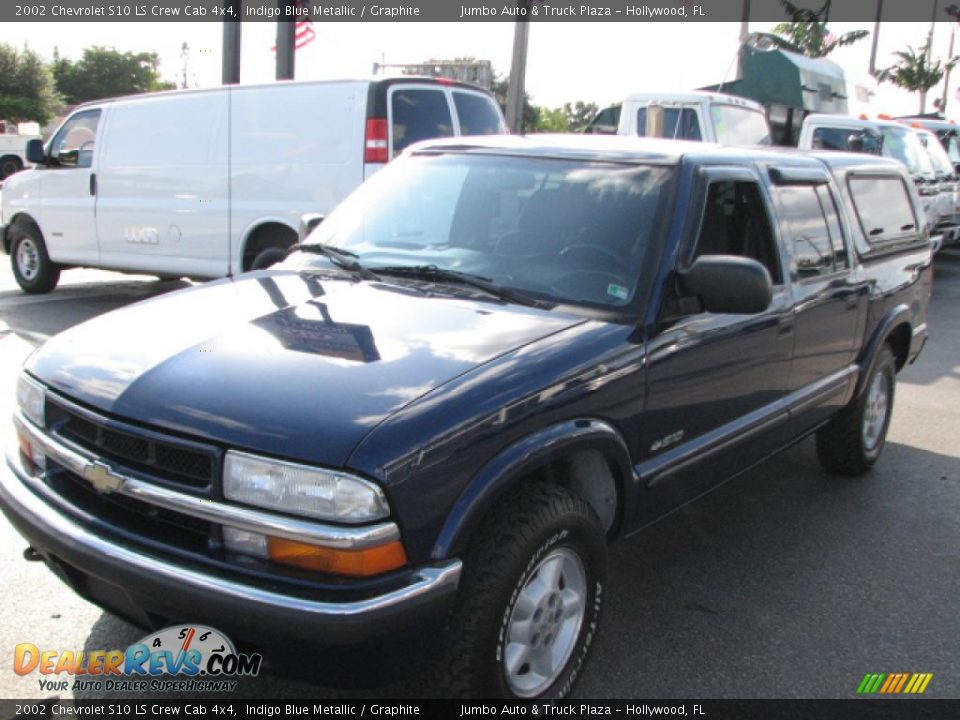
(160,586)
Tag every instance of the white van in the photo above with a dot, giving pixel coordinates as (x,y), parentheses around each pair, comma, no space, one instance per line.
(696,115)
(209,183)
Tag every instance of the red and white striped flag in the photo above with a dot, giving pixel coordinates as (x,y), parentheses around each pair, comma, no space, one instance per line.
(303,32)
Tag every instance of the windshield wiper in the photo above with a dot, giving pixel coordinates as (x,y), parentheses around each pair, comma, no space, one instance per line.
(343,259)
(432,273)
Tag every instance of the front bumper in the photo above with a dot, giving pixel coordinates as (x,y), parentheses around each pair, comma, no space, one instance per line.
(150,589)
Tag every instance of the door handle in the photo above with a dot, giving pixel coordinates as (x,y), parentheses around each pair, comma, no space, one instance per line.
(93,184)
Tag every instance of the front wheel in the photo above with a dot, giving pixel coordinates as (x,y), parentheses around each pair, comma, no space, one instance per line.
(852,441)
(529,604)
(32,267)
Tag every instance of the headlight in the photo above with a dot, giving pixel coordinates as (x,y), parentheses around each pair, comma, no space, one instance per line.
(301,489)
(31,398)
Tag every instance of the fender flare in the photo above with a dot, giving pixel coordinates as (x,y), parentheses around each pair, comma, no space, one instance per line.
(496,476)
(894,317)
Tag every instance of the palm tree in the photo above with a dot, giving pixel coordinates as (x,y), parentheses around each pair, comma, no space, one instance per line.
(914,71)
(807,31)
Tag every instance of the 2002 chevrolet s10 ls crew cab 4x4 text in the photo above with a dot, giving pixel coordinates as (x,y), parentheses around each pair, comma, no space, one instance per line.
(492,359)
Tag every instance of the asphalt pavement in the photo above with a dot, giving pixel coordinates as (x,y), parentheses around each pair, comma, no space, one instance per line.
(785,583)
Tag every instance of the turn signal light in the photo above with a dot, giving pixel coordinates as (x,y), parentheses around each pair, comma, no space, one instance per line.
(354,563)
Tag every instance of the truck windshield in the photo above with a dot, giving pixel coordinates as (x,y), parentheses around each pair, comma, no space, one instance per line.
(903,144)
(572,232)
(938,156)
(737,125)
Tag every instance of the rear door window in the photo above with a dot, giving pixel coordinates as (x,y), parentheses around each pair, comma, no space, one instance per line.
(419,114)
(813,250)
(884,209)
(678,123)
(478,114)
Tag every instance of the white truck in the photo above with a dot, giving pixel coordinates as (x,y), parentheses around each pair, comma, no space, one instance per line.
(13,146)
(695,115)
(210,183)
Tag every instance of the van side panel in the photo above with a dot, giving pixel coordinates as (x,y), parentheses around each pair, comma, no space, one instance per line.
(294,149)
(162,185)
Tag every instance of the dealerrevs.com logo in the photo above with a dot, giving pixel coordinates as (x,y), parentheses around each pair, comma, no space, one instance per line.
(201,658)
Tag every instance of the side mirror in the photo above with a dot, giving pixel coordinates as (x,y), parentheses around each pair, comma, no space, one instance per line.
(729,284)
(308,221)
(34,152)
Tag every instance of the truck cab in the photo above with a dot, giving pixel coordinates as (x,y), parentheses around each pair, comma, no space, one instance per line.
(699,116)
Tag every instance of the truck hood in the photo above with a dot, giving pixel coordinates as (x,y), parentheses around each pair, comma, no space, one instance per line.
(292,364)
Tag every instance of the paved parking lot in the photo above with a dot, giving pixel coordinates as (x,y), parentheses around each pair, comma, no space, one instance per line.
(784,583)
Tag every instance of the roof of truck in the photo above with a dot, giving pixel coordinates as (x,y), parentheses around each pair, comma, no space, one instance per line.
(616,148)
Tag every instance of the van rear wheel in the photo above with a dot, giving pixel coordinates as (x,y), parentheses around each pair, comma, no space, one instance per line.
(33,269)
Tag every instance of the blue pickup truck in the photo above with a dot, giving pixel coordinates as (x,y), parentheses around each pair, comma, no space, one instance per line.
(492,360)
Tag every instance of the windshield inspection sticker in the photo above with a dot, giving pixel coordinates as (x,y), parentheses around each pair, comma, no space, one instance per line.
(618,291)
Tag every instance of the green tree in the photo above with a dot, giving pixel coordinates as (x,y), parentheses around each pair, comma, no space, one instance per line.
(105,72)
(579,114)
(553,121)
(26,87)
(807,31)
(916,72)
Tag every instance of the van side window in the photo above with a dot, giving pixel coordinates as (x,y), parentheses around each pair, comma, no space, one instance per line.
(477,114)
(419,114)
(74,143)
(884,209)
(735,222)
(678,123)
(846,139)
(813,251)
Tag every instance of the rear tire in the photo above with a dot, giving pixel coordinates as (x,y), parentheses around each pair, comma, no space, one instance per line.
(9,164)
(34,271)
(267,257)
(529,603)
(852,441)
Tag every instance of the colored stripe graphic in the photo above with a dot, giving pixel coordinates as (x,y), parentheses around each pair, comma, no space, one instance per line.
(894,683)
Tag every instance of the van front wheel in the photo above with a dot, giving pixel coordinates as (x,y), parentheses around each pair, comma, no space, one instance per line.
(33,269)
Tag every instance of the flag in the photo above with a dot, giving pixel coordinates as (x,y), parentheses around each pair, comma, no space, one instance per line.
(303,32)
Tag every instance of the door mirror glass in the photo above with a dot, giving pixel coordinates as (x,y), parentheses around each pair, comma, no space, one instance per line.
(34,152)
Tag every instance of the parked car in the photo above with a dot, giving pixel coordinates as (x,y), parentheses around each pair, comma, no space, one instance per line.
(208,183)
(695,115)
(946,131)
(882,136)
(491,360)
(13,143)
(948,198)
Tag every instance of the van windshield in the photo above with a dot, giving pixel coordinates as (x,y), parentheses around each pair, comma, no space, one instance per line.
(564,231)
(737,125)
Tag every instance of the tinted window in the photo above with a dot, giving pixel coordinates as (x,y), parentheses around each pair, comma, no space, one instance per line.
(813,251)
(829,208)
(735,222)
(419,114)
(606,122)
(883,208)
(73,146)
(847,140)
(678,123)
(478,114)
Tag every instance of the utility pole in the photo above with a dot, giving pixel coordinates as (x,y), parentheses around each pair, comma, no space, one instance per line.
(516,93)
(231,41)
(946,75)
(286,50)
(876,39)
(933,25)
(744,34)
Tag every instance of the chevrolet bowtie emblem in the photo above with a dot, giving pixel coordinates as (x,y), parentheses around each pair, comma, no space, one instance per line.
(102,477)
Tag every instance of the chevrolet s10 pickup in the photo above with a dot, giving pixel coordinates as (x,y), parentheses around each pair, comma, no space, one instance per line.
(493,359)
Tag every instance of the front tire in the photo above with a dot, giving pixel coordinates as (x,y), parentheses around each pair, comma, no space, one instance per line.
(529,603)
(852,441)
(9,165)
(267,257)
(33,269)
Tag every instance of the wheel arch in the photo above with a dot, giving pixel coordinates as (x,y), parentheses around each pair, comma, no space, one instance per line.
(263,233)
(563,454)
(21,218)
(895,330)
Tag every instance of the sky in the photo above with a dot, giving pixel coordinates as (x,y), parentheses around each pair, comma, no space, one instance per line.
(593,62)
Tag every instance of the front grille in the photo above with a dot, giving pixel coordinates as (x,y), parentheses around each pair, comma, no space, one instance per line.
(177,461)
